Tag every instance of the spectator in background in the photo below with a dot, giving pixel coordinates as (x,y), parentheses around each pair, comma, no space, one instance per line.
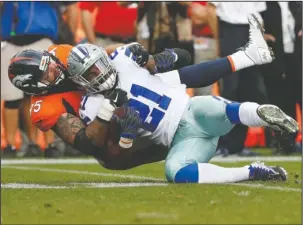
(228,21)
(67,22)
(113,23)
(163,25)
(24,25)
(296,10)
(204,43)
(283,77)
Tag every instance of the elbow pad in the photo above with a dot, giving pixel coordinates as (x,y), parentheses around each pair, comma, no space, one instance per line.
(85,145)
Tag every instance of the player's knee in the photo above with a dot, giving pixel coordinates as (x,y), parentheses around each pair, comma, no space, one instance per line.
(186,174)
(208,106)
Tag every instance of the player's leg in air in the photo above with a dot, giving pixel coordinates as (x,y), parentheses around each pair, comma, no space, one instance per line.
(209,117)
(255,52)
(195,141)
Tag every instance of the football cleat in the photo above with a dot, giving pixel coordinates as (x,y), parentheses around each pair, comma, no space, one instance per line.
(259,171)
(33,150)
(257,49)
(8,152)
(277,119)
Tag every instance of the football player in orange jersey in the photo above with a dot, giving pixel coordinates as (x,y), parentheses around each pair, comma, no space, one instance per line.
(91,68)
(56,101)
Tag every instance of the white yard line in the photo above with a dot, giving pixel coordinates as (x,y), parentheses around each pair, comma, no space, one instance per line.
(232,159)
(93,161)
(31,186)
(266,187)
(47,161)
(253,185)
(79,185)
(113,185)
(84,172)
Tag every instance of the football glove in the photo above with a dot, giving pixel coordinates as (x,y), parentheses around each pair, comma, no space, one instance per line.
(140,52)
(171,59)
(113,99)
(129,121)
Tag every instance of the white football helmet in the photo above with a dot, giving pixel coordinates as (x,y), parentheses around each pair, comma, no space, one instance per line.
(90,67)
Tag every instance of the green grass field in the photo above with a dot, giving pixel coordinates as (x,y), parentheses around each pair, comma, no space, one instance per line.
(88,194)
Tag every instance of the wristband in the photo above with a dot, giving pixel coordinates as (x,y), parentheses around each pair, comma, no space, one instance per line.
(126,142)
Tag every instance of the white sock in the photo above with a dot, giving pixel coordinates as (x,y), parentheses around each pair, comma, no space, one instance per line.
(209,173)
(248,115)
(240,60)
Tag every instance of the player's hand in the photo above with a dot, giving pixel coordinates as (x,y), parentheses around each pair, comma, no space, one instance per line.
(113,99)
(129,121)
(172,59)
(117,97)
(140,52)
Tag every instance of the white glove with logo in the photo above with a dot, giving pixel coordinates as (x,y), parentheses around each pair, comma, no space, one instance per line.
(113,99)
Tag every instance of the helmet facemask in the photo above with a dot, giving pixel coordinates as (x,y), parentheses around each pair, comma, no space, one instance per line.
(91,68)
(52,72)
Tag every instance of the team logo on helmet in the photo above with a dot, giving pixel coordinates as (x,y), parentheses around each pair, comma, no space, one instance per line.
(22,80)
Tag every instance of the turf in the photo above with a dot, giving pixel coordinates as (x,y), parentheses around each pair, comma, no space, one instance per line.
(254,203)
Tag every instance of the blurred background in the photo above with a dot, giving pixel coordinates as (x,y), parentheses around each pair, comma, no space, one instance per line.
(208,30)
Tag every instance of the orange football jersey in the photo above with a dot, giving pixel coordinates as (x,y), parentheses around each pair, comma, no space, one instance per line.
(61,52)
(46,109)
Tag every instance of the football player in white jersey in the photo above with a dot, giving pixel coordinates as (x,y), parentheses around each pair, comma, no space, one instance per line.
(189,127)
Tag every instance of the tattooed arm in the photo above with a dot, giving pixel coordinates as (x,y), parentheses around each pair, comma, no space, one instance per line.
(89,140)
(68,126)
(114,157)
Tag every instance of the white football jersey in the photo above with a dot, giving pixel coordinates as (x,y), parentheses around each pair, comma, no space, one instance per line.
(160,99)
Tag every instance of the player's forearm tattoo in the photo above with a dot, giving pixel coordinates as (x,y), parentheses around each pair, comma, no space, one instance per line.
(67,127)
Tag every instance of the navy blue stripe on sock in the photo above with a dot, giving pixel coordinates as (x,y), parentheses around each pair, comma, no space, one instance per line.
(188,174)
(232,112)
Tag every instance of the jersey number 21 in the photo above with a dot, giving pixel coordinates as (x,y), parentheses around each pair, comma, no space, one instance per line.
(150,122)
